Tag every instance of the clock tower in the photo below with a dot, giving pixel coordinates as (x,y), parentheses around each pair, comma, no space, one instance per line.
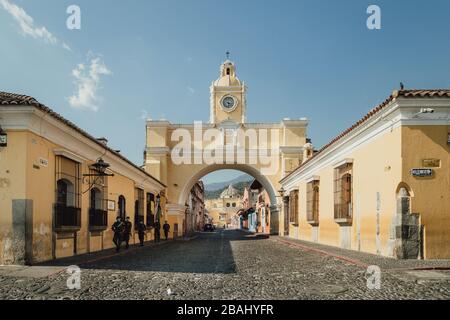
(228,101)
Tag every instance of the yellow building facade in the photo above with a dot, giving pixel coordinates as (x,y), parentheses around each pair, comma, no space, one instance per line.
(383,185)
(224,208)
(228,105)
(53,204)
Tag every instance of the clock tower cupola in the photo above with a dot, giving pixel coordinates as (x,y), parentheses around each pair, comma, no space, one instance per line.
(228,101)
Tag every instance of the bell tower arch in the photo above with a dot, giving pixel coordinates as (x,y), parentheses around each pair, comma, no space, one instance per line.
(228,96)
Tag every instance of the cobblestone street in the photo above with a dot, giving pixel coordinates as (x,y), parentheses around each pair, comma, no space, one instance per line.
(229,265)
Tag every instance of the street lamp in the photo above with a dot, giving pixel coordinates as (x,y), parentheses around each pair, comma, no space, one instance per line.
(99,167)
(3,138)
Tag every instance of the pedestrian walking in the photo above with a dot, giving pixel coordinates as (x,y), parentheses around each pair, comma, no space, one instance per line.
(166,228)
(142,229)
(157,232)
(118,229)
(127,233)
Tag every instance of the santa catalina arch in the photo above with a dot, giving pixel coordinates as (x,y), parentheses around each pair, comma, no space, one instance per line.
(181,154)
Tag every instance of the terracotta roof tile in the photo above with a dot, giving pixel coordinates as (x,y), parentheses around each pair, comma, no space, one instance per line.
(435,93)
(7,98)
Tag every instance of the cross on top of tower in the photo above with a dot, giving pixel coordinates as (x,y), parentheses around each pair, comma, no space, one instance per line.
(228,54)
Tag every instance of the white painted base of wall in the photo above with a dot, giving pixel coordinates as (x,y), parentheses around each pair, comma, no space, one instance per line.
(315,234)
(345,233)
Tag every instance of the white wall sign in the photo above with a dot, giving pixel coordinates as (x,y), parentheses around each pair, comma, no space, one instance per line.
(43,162)
(111,205)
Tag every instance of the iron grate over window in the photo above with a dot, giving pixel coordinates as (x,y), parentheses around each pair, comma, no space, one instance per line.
(343,193)
(294,207)
(312,202)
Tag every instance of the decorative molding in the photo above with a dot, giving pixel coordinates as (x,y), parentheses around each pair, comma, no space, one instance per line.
(300,123)
(291,150)
(158,123)
(158,150)
(312,179)
(69,155)
(342,163)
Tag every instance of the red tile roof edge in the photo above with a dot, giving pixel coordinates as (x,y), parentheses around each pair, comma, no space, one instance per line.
(416,93)
(7,98)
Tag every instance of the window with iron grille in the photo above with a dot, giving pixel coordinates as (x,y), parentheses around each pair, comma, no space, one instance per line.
(67,210)
(293,207)
(312,202)
(343,193)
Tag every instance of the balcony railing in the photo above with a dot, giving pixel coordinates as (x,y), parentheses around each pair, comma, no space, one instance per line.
(98,219)
(67,218)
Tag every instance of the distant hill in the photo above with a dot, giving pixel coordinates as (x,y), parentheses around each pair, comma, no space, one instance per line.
(213,190)
(221,185)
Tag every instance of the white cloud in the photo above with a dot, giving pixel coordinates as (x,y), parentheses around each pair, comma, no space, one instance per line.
(191,90)
(87,80)
(144,115)
(26,24)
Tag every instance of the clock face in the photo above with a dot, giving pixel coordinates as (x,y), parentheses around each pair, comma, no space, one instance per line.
(228,102)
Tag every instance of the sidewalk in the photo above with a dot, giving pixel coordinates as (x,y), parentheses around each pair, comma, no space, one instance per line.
(53,267)
(363,259)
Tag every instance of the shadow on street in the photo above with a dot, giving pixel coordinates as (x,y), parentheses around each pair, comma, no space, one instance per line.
(208,253)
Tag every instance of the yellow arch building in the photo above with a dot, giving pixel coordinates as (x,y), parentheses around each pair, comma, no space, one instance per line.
(272,159)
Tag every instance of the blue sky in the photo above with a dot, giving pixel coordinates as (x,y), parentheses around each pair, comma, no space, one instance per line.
(313,59)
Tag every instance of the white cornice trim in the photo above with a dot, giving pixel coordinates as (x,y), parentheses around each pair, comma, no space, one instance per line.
(342,163)
(69,155)
(158,150)
(312,179)
(291,150)
(301,123)
(158,123)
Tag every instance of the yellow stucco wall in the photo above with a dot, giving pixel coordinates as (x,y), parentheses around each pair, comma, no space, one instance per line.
(12,186)
(23,175)
(431,196)
(376,168)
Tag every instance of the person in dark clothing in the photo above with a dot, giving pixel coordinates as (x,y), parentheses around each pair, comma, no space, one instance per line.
(118,228)
(141,232)
(166,228)
(127,232)
(157,232)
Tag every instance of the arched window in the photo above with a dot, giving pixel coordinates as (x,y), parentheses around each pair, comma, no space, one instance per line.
(234,205)
(403,199)
(122,207)
(228,204)
(65,193)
